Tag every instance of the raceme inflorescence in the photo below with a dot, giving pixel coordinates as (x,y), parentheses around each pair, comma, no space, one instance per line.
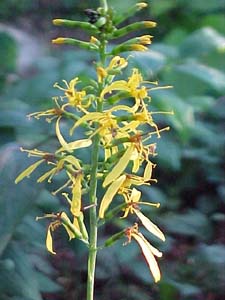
(112,112)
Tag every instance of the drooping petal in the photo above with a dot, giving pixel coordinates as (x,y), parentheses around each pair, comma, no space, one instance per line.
(28,171)
(70,228)
(135,195)
(148,171)
(149,225)
(76,196)
(73,161)
(146,249)
(119,167)
(110,193)
(49,241)
(93,116)
(120,85)
(46,175)
(83,143)
(61,139)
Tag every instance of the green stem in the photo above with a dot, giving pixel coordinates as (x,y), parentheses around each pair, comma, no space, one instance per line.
(104,5)
(93,220)
(93,198)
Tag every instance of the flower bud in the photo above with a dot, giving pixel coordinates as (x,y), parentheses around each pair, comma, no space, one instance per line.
(75,24)
(129,13)
(114,238)
(74,42)
(132,27)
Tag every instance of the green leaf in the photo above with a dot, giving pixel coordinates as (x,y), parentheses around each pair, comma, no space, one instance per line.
(192,223)
(21,281)
(210,76)
(15,201)
(155,61)
(202,42)
(185,289)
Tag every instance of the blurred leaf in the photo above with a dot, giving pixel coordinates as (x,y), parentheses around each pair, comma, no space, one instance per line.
(8,53)
(202,42)
(169,153)
(212,77)
(203,6)
(14,205)
(215,20)
(213,254)
(191,223)
(47,285)
(155,61)
(20,281)
(159,7)
(185,289)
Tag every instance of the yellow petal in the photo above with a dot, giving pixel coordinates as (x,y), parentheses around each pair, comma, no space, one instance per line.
(28,171)
(146,249)
(121,107)
(46,175)
(148,171)
(120,85)
(83,143)
(150,226)
(94,116)
(73,161)
(120,166)
(135,195)
(61,139)
(107,153)
(68,225)
(76,198)
(49,240)
(110,193)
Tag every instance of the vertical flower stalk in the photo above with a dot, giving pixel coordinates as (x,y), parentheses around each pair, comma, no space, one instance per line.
(117,122)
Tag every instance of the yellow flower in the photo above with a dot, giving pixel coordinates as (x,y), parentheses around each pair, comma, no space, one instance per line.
(54,112)
(137,47)
(60,219)
(141,5)
(75,98)
(132,198)
(132,86)
(45,156)
(148,250)
(145,39)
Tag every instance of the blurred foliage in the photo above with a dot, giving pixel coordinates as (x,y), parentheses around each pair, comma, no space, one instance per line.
(188,54)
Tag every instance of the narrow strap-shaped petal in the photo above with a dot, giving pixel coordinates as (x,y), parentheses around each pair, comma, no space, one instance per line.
(28,171)
(46,175)
(110,193)
(61,139)
(149,225)
(49,241)
(76,198)
(73,161)
(146,249)
(119,167)
(83,143)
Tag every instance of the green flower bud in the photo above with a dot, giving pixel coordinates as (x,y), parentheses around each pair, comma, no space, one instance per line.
(101,22)
(76,24)
(132,27)
(113,212)
(129,13)
(74,42)
(114,238)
